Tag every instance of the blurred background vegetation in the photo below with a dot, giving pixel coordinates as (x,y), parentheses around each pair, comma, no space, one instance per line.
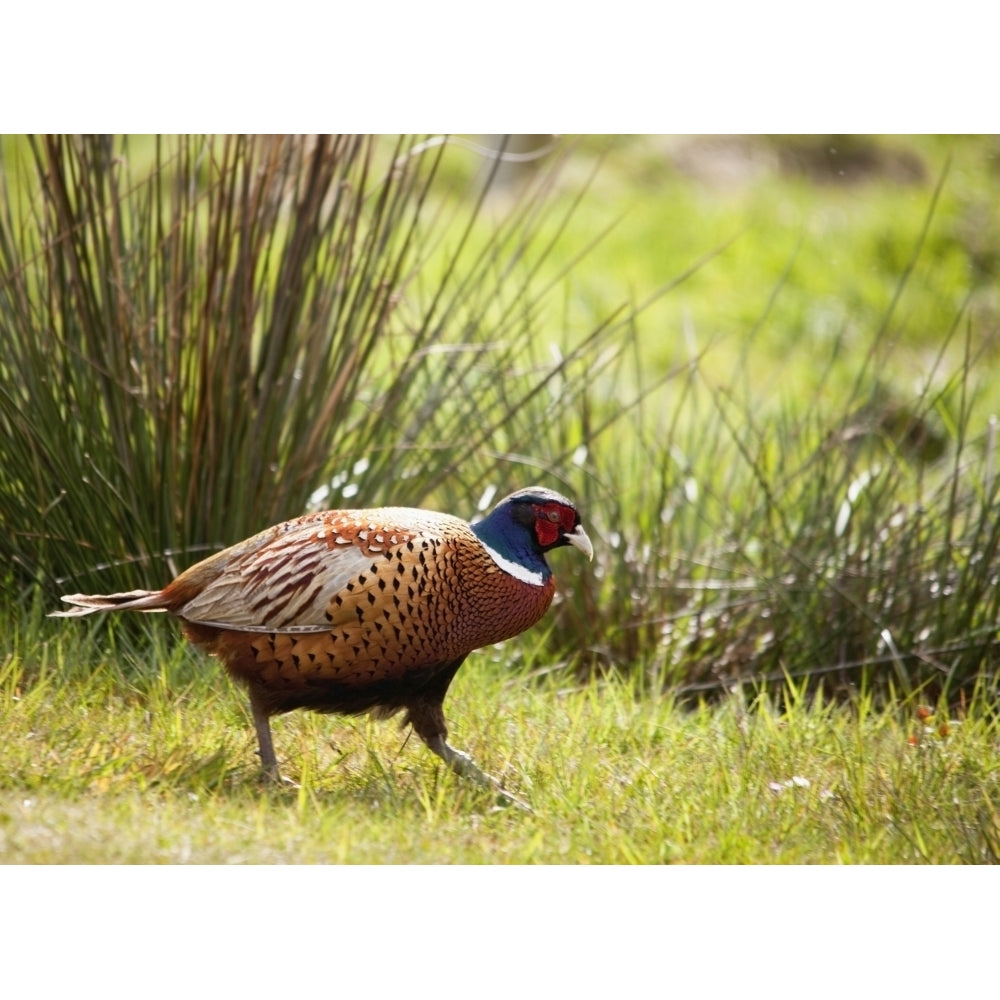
(763,366)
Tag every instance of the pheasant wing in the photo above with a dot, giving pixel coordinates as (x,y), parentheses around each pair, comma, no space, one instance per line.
(287,579)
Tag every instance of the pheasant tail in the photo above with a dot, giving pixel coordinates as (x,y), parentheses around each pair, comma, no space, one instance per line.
(133,600)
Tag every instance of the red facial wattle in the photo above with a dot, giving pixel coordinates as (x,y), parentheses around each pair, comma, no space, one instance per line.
(551,521)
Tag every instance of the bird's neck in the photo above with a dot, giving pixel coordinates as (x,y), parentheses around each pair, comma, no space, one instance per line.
(513,553)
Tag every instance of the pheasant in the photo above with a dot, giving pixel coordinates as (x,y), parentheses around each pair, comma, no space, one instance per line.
(354,611)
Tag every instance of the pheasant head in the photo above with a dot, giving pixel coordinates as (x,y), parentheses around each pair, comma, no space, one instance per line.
(525,525)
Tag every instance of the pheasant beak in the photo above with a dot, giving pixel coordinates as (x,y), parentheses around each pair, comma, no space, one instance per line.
(578,538)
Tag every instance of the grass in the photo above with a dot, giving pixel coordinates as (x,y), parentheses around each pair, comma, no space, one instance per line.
(162,769)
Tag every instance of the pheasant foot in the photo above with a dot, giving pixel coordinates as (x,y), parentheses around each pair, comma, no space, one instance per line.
(461,763)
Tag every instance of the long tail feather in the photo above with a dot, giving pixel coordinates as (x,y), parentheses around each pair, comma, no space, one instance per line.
(134,600)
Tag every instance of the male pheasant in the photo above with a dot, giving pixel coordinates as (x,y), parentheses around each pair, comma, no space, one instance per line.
(355,611)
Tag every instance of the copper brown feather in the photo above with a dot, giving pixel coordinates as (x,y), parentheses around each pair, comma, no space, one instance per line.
(366,610)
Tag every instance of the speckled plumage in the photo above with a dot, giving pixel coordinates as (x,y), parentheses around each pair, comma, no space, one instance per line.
(366,610)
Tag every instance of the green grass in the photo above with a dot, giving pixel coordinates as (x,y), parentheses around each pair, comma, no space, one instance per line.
(97,769)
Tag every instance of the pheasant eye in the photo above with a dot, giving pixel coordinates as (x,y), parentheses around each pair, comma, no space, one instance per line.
(548,523)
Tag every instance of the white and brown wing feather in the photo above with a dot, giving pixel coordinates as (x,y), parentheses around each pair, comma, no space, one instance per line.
(289,579)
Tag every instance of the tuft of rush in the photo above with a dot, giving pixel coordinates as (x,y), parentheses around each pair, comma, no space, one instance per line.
(354,611)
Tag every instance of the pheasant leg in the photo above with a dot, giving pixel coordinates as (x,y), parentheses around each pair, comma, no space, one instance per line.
(427,718)
(461,763)
(262,725)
